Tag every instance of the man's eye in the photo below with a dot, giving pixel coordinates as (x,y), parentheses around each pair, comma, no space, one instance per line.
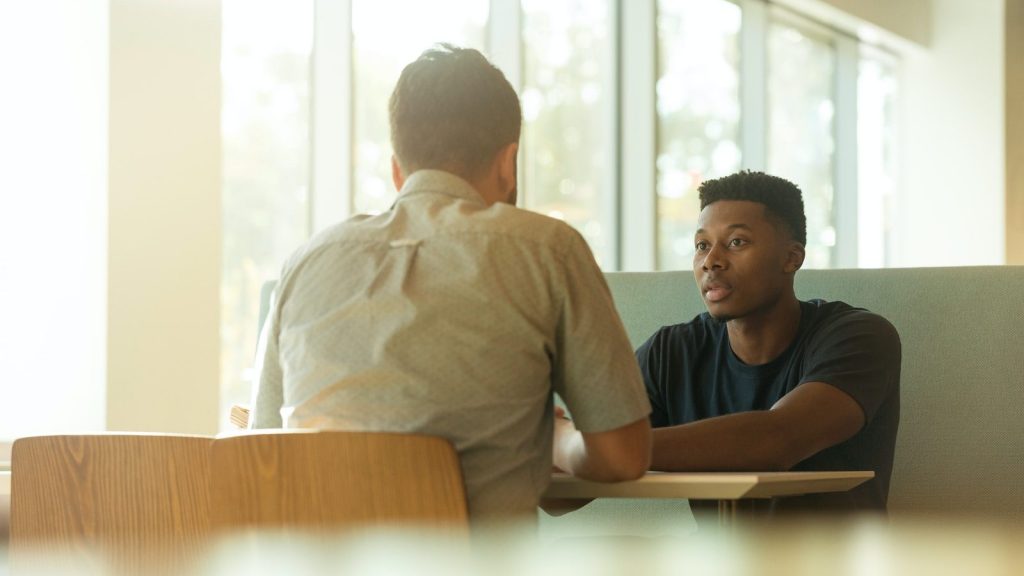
(737,242)
(701,246)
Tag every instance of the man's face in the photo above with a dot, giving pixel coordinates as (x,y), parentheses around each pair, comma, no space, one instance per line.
(743,260)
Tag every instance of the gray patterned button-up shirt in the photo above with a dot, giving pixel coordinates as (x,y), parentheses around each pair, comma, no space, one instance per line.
(450,317)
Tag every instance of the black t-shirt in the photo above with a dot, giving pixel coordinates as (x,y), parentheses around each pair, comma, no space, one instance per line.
(691,373)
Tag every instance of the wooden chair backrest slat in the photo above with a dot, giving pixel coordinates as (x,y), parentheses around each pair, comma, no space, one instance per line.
(332,480)
(139,501)
(133,504)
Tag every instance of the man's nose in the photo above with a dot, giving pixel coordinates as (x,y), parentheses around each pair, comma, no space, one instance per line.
(714,259)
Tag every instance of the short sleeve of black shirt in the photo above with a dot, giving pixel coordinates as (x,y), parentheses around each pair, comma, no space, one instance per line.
(857,352)
(648,355)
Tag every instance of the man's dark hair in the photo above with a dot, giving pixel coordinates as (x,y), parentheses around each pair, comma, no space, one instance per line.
(452,110)
(781,198)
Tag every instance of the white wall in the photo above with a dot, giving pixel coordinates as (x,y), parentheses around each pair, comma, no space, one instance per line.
(165,216)
(109,215)
(53,200)
(951,204)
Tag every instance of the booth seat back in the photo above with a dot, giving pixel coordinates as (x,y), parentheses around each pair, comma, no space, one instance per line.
(960,447)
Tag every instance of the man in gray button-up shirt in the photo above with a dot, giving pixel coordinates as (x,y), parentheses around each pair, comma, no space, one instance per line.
(457,314)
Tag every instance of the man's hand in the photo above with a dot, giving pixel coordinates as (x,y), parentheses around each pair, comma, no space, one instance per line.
(611,456)
(565,431)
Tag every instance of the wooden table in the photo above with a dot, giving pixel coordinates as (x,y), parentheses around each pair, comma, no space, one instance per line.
(728,488)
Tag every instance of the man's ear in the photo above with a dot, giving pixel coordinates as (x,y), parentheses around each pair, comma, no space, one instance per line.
(396,174)
(794,258)
(507,168)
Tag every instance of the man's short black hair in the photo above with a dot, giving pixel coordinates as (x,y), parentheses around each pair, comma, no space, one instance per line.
(452,110)
(780,197)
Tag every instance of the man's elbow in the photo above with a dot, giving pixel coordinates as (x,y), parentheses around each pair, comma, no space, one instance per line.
(635,468)
(784,451)
(625,453)
(620,468)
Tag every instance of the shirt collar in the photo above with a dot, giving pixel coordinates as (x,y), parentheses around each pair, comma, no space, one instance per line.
(438,182)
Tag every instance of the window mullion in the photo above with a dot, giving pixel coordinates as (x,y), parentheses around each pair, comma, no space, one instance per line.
(331,102)
(754,84)
(845,204)
(638,75)
(612,112)
(504,40)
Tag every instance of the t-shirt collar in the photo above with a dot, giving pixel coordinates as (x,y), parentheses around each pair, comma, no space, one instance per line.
(772,367)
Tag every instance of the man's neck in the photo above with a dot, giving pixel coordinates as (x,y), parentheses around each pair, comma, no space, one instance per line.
(490,189)
(761,337)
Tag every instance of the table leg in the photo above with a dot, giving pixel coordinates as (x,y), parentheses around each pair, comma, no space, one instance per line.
(727,512)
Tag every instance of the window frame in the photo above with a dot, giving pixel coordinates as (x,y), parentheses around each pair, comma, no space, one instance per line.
(331,125)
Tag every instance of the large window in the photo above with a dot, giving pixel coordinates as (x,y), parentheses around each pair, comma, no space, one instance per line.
(568,153)
(698,104)
(801,144)
(265,124)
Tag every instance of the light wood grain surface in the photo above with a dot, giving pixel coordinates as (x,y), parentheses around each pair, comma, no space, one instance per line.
(335,480)
(138,501)
(709,485)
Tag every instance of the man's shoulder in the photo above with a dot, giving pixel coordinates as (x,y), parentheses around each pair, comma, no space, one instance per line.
(528,225)
(327,236)
(838,317)
(340,236)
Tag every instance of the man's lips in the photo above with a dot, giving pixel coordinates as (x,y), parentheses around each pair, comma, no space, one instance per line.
(716,291)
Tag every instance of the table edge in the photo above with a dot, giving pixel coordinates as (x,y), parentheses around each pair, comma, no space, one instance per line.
(710,485)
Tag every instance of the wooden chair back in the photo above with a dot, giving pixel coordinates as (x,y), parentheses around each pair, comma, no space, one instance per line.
(127,503)
(333,480)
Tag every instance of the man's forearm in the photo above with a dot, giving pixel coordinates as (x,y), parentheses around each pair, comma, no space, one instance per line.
(804,422)
(737,442)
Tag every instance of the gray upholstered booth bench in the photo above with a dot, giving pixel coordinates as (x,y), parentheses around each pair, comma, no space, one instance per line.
(960,447)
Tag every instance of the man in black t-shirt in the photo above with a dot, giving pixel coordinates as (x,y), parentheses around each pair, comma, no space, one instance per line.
(763,381)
